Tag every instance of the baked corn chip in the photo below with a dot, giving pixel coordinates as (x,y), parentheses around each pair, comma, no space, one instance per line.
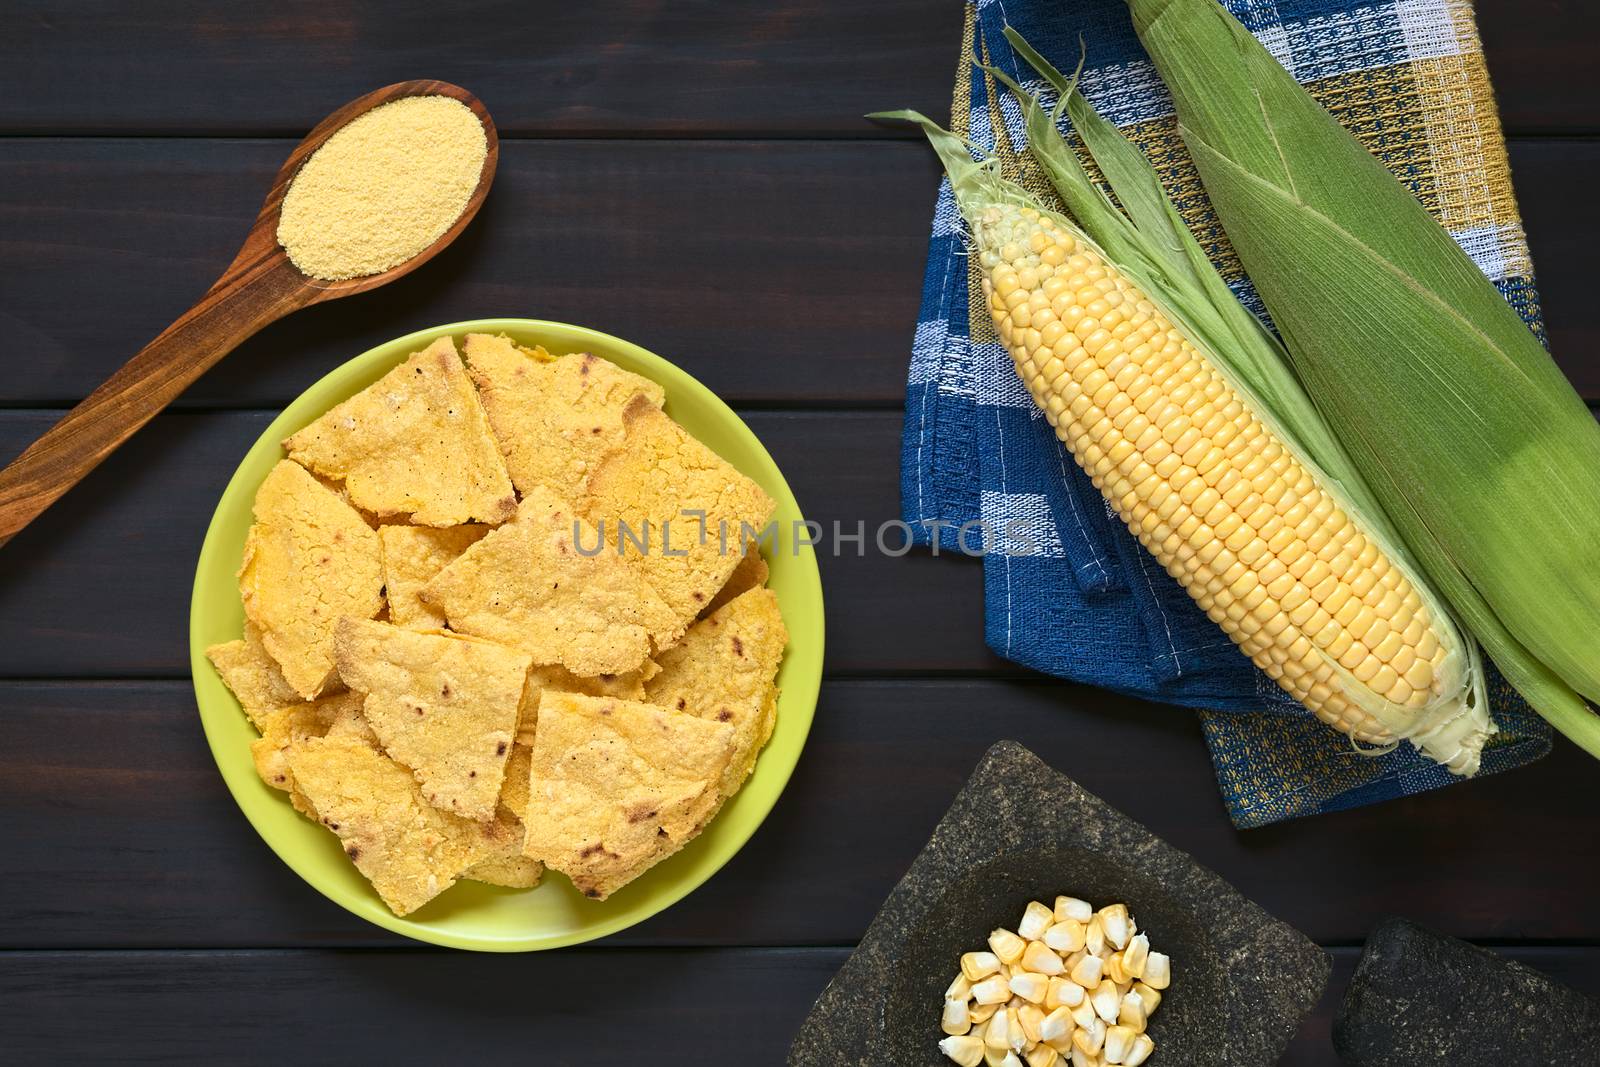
(629,686)
(289,726)
(309,560)
(556,418)
(444,705)
(694,509)
(409,850)
(414,443)
(412,555)
(527,585)
(725,670)
(617,786)
(509,867)
(253,676)
(750,573)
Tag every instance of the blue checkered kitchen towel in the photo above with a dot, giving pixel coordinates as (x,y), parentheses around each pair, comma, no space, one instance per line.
(1073,594)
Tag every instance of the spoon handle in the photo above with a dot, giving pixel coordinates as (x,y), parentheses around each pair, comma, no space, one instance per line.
(256,290)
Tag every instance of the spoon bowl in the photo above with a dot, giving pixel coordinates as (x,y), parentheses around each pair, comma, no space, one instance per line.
(259,287)
(263,238)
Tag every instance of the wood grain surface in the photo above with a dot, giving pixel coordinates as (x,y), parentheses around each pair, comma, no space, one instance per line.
(131,840)
(695,177)
(687,69)
(136,526)
(730,1006)
(776,272)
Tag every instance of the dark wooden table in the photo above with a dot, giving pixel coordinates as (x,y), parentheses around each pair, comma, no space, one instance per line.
(695,177)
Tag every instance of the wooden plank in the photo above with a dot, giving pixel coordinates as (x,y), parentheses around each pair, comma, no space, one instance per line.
(773,271)
(790,68)
(567,1008)
(720,1006)
(120,833)
(1541,61)
(779,273)
(99,586)
(127,538)
(1562,219)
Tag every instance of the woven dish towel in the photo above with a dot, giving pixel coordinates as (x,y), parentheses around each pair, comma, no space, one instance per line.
(1077,597)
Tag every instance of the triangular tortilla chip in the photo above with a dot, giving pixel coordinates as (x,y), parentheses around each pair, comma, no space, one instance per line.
(617,786)
(412,555)
(695,508)
(308,560)
(290,726)
(751,573)
(509,867)
(555,419)
(253,676)
(443,705)
(528,586)
(628,686)
(725,669)
(409,850)
(416,442)
(338,489)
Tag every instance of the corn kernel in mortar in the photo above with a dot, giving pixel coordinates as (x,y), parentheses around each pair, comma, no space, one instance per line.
(1069,985)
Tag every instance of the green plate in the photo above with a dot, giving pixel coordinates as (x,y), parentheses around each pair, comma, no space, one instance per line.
(472,915)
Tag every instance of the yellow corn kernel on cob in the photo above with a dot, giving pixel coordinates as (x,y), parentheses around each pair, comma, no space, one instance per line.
(1220,501)
(1316,590)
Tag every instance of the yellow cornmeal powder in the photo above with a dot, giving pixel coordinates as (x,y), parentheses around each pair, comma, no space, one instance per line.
(383,187)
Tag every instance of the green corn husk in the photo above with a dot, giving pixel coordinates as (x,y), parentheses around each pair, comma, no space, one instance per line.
(1147,240)
(1480,451)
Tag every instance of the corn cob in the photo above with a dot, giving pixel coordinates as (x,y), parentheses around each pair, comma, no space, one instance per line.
(1208,490)
(1207,484)
(1467,433)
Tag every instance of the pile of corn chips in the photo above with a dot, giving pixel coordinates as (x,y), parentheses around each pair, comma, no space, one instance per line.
(457,661)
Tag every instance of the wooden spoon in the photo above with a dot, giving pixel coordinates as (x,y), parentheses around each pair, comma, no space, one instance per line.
(259,287)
